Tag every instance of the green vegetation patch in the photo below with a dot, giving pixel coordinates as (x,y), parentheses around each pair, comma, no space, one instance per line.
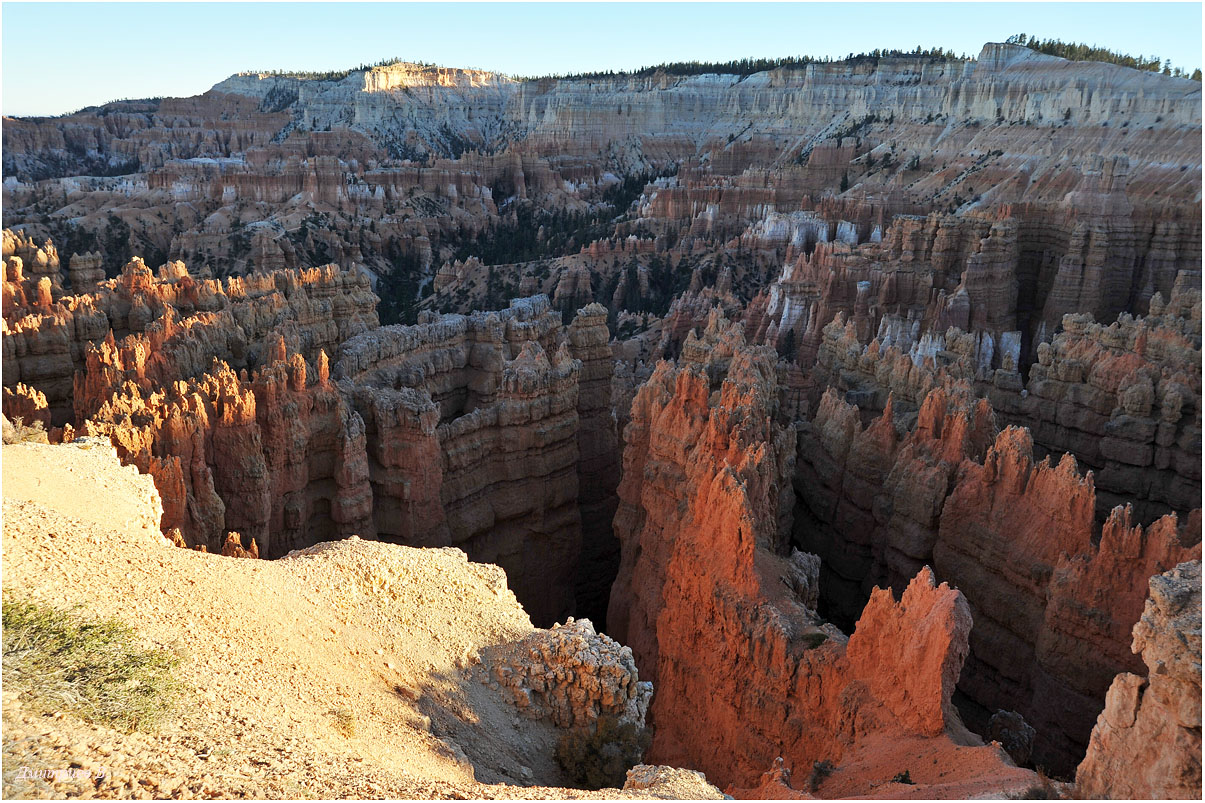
(599,758)
(1074,51)
(62,661)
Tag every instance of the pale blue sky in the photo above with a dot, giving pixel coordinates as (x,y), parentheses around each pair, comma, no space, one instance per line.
(58,57)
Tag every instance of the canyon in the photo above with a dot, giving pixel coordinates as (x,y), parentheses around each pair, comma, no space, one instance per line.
(860,401)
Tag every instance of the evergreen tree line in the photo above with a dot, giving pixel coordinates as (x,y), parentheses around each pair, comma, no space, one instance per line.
(336,75)
(398,290)
(564,231)
(1075,51)
(749,66)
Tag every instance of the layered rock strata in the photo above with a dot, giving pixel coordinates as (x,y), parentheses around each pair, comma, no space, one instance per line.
(177,324)
(474,425)
(276,455)
(598,464)
(869,500)
(1123,398)
(1047,202)
(469,427)
(1019,536)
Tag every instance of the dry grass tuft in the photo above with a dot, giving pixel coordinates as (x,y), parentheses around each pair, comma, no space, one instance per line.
(345,721)
(61,661)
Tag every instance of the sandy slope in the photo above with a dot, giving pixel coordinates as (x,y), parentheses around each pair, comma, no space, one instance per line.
(271,651)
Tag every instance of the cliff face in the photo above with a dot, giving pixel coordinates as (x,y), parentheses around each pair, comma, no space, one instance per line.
(1019,536)
(598,464)
(870,500)
(275,456)
(438,106)
(1147,741)
(917,252)
(975,272)
(723,618)
(1064,168)
(1125,399)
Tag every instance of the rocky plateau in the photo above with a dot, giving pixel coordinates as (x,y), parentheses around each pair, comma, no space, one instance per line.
(839,424)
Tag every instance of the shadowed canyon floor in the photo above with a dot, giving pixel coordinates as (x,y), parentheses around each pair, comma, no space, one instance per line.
(857,402)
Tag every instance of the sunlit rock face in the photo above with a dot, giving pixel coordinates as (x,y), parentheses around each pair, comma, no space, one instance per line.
(464,430)
(721,611)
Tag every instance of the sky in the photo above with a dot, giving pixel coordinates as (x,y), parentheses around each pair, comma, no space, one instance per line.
(59,57)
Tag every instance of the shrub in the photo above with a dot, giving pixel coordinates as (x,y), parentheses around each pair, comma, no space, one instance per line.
(601,758)
(1042,790)
(60,661)
(820,771)
(1074,51)
(814,640)
(34,432)
(345,721)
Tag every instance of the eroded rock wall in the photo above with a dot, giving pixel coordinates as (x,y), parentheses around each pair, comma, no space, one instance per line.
(473,424)
(598,464)
(1017,535)
(186,323)
(276,455)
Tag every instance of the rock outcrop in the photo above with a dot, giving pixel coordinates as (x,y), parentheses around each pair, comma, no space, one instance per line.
(186,323)
(276,455)
(573,676)
(835,365)
(1030,201)
(1126,400)
(463,430)
(1123,398)
(1017,535)
(598,460)
(870,499)
(1147,741)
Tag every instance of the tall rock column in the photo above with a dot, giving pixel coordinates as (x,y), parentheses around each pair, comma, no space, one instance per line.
(598,462)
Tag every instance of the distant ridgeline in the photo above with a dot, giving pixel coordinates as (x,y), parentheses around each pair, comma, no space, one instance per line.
(749,66)
(339,75)
(1082,52)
